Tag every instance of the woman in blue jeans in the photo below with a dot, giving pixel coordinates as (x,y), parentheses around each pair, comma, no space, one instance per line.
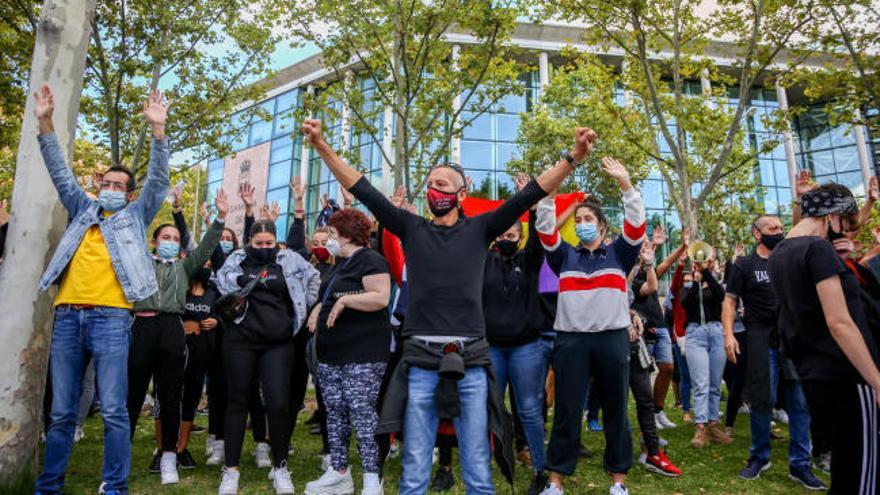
(510,297)
(704,351)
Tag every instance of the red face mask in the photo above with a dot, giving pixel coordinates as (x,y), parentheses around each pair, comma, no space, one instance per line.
(321,253)
(440,203)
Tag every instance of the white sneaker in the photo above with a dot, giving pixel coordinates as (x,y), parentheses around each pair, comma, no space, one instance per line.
(229,482)
(218,454)
(552,489)
(664,420)
(209,445)
(78,434)
(394,450)
(744,409)
(643,458)
(103,488)
(372,485)
(618,489)
(331,483)
(781,416)
(261,454)
(325,462)
(168,468)
(281,479)
(435,456)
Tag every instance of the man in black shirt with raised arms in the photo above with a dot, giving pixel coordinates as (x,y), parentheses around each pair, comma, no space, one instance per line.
(750,280)
(445,260)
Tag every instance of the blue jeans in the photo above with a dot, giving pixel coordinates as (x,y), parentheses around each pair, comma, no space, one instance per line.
(774,376)
(521,367)
(662,349)
(704,351)
(799,446)
(684,385)
(104,333)
(471,427)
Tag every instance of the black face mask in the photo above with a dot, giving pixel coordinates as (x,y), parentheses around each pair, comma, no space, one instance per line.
(506,247)
(262,255)
(832,234)
(771,240)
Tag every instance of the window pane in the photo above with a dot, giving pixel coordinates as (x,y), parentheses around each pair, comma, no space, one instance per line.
(476,154)
(261,131)
(280,195)
(505,153)
(823,162)
(781,169)
(482,183)
(512,104)
(846,159)
(507,127)
(480,128)
(279,175)
(284,124)
(852,180)
(767,175)
(282,150)
(287,101)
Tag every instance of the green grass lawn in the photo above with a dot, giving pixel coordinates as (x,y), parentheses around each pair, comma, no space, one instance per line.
(711,470)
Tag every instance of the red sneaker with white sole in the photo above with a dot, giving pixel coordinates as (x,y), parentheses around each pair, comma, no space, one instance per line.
(661,465)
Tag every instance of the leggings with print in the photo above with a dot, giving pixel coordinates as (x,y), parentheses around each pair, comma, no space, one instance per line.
(350,394)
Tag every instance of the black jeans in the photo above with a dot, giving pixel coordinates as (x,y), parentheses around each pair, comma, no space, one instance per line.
(158,351)
(640,384)
(272,364)
(577,357)
(299,379)
(736,385)
(849,411)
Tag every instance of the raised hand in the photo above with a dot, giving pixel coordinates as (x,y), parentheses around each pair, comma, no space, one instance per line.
(206,215)
(246,193)
(222,204)
(584,139)
(45,102)
(686,238)
(299,191)
(156,112)
(399,197)
(521,180)
(347,197)
(616,170)
(647,255)
(803,184)
(659,236)
(325,201)
(274,211)
(739,250)
(311,130)
(176,194)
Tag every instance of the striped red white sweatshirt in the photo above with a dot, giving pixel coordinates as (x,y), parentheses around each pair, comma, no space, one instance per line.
(592,285)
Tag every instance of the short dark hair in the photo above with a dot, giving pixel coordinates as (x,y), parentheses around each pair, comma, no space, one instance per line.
(159,229)
(263,225)
(132,183)
(352,224)
(761,217)
(456,168)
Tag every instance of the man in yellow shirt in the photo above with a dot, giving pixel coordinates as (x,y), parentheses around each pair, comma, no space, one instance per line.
(103,267)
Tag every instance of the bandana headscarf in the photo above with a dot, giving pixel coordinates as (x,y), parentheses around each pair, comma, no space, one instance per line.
(821,202)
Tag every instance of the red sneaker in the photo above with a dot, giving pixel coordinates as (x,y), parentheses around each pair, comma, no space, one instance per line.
(661,465)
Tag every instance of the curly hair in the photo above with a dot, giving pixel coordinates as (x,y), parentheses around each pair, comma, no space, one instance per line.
(352,224)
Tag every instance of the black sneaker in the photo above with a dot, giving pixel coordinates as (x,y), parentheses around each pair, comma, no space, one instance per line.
(315,429)
(753,470)
(443,480)
(804,475)
(539,483)
(198,429)
(156,462)
(185,460)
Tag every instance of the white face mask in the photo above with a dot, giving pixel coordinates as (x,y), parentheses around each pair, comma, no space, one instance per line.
(333,247)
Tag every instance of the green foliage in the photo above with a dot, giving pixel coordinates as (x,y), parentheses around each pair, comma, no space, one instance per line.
(403,61)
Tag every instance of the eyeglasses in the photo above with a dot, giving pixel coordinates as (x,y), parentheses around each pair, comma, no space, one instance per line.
(116,186)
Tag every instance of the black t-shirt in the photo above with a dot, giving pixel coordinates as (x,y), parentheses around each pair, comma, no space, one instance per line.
(357,336)
(749,279)
(445,265)
(198,308)
(269,316)
(796,266)
(647,306)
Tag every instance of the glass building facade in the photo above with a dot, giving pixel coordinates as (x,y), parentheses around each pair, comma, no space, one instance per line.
(488,144)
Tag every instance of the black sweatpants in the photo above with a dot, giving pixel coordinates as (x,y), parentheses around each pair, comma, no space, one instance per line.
(217,404)
(850,413)
(299,379)
(272,364)
(193,379)
(640,384)
(158,351)
(577,357)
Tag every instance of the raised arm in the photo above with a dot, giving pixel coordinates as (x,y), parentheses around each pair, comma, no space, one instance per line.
(629,243)
(503,217)
(205,249)
(394,219)
(70,193)
(180,222)
(548,234)
(156,186)
(667,263)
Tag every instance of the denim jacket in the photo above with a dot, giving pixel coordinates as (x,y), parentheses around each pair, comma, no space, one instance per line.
(124,231)
(302,279)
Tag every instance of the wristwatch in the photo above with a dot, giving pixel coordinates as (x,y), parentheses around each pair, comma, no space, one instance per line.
(565,155)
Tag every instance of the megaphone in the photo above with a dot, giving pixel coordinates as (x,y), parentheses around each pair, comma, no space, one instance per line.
(700,252)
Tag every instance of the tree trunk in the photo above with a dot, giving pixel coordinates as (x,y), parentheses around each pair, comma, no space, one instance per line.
(37,222)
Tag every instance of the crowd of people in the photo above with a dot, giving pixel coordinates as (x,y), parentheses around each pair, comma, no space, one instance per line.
(414,329)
